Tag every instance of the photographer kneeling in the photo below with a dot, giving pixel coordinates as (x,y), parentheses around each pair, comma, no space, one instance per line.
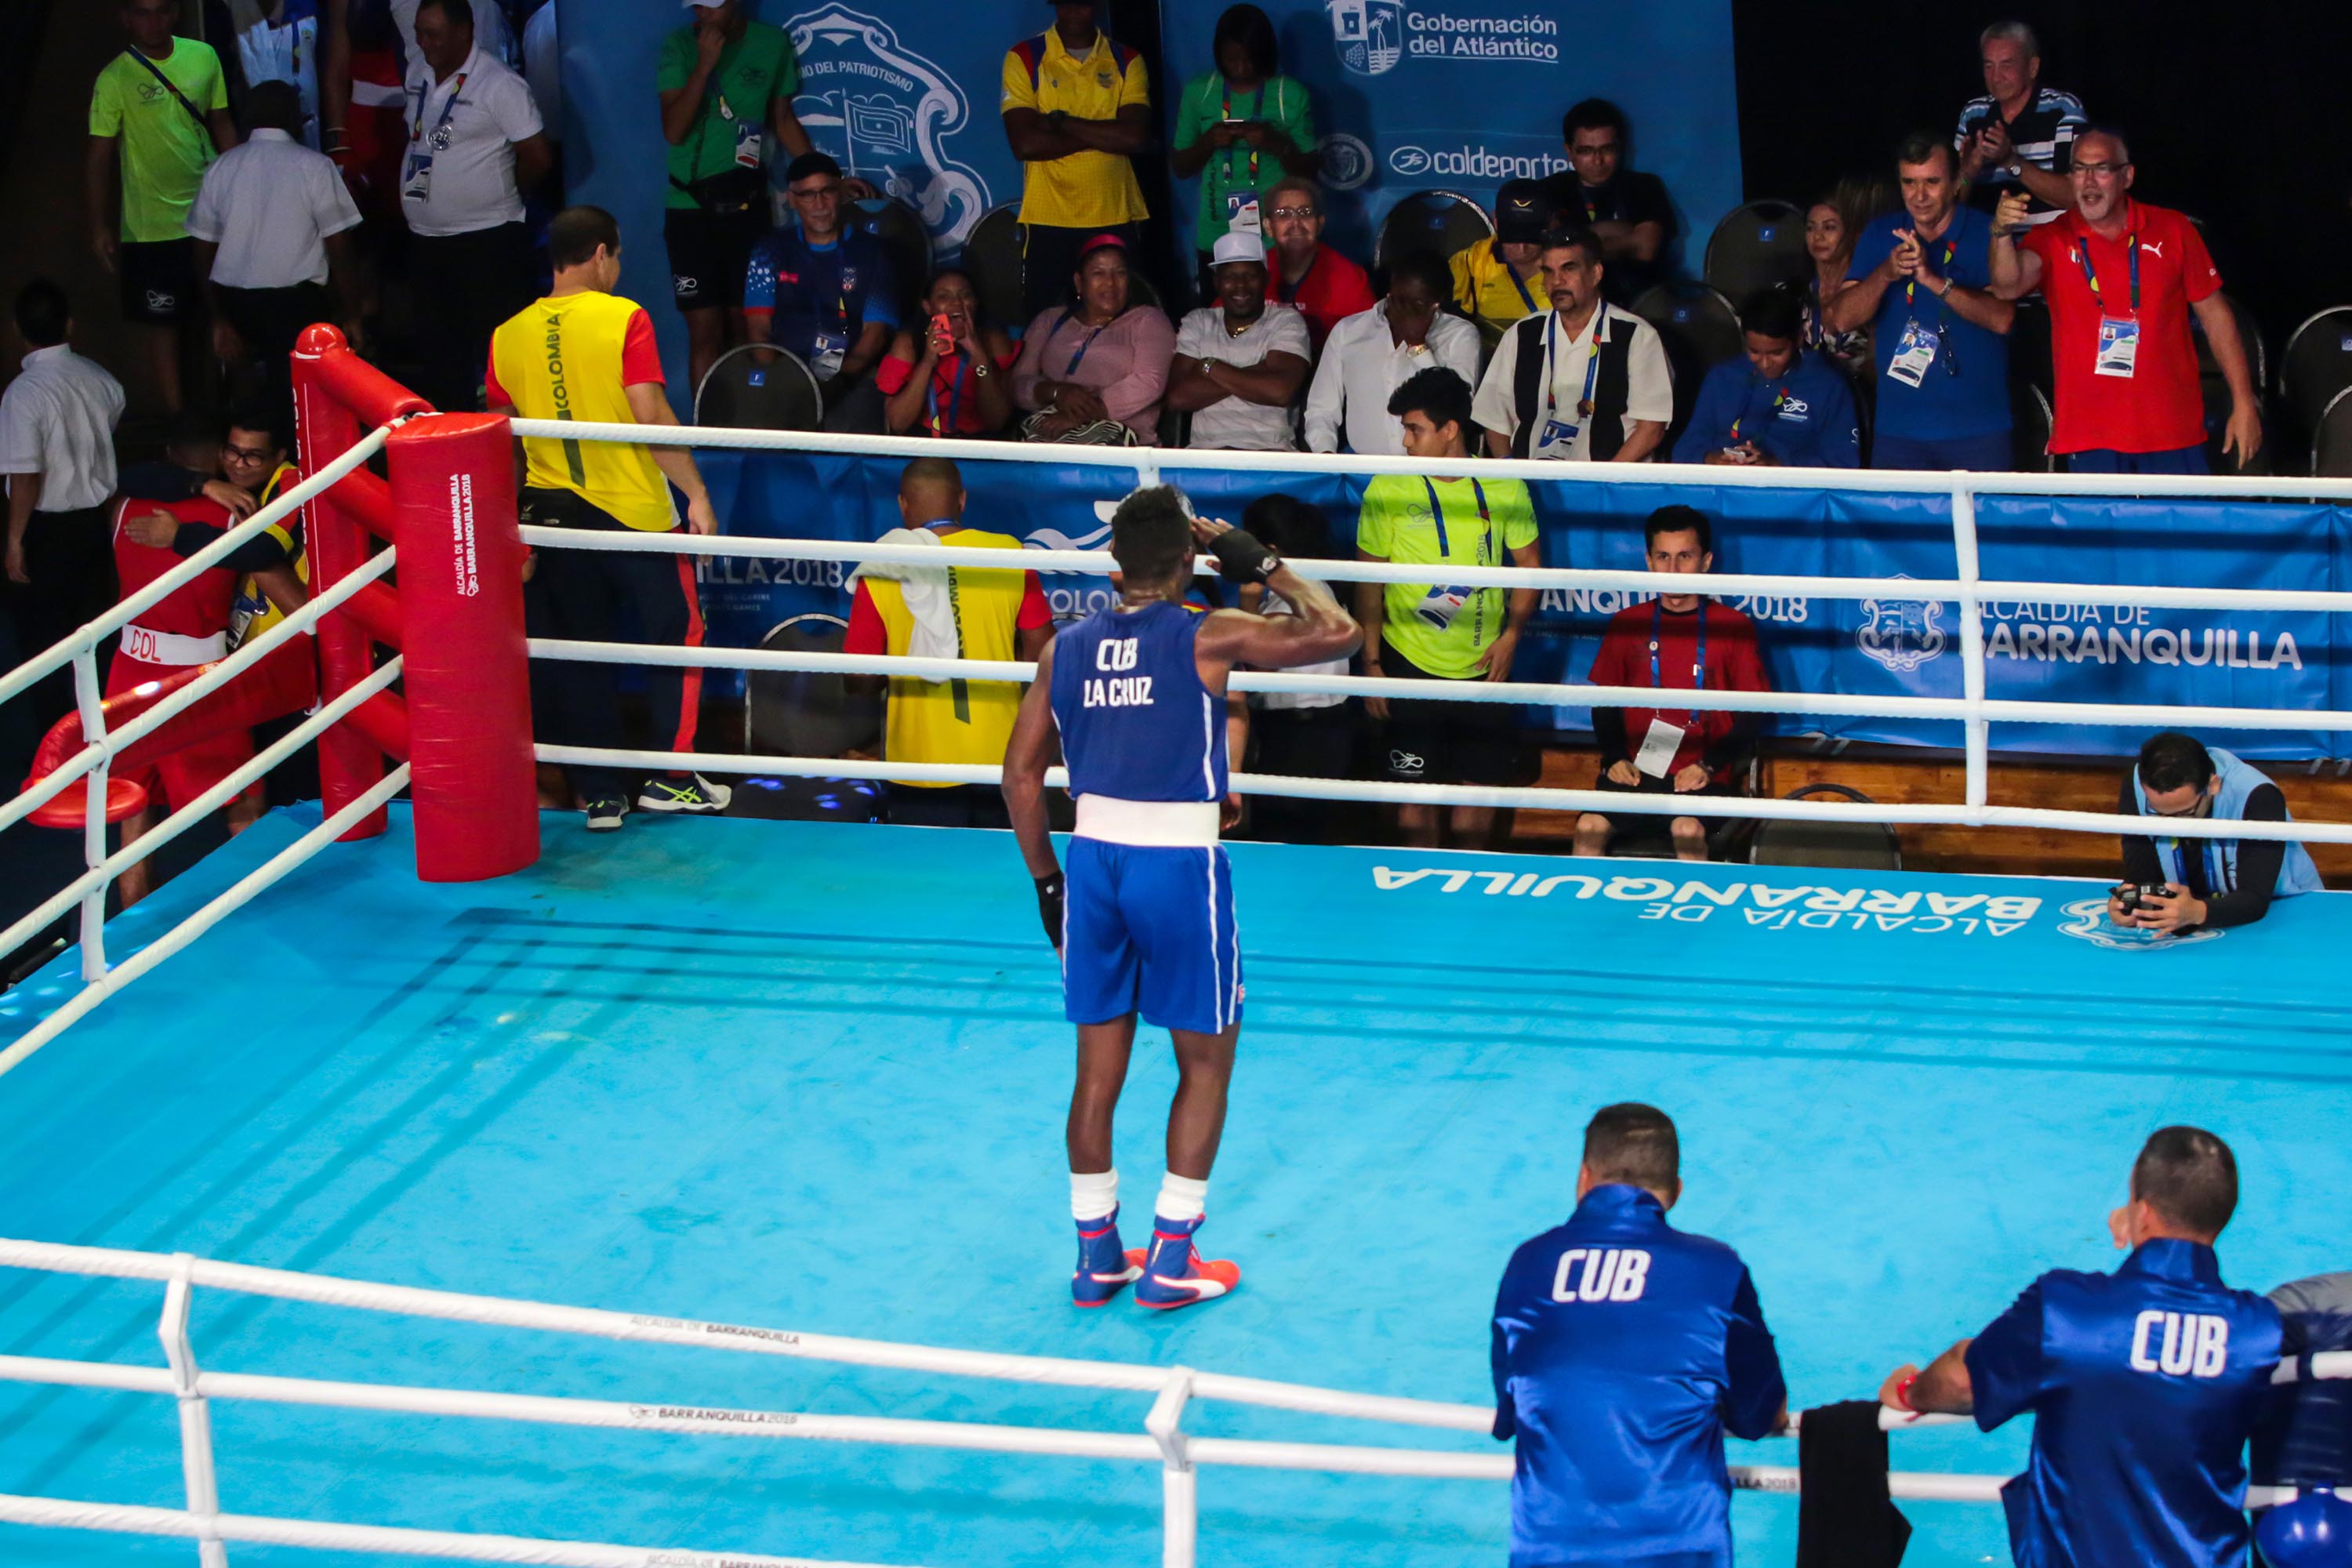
(2174,884)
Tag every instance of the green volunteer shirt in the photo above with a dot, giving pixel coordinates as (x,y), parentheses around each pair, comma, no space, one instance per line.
(164,149)
(1280,102)
(1443,629)
(752,72)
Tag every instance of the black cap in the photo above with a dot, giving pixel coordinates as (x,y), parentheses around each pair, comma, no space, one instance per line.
(808,163)
(1522,213)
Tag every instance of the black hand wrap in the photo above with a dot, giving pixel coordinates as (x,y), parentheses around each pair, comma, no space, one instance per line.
(1243,557)
(1049,907)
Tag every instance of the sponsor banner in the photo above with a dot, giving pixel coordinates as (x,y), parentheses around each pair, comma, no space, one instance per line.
(2100,653)
(1461,95)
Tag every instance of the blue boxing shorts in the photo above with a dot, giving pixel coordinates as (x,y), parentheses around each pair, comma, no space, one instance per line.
(1150,930)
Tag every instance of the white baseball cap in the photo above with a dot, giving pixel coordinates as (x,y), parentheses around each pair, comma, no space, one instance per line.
(1235,245)
(703,4)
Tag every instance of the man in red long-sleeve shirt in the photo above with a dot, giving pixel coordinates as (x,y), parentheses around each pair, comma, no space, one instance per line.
(1676,642)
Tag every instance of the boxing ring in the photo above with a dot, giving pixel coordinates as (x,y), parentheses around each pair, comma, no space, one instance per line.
(406,1216)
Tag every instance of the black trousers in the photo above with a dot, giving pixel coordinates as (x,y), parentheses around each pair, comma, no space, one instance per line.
(70,556)
(467,285)
(588,596)
(1313,744)
(270,320)
(1049,256)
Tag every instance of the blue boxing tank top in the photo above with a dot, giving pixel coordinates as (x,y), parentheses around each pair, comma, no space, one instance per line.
(1137,723)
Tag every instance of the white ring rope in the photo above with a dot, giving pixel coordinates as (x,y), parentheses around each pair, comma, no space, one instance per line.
(1163,1442)
(1890,481)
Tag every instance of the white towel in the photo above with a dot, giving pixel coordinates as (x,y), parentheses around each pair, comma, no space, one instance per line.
(928,601)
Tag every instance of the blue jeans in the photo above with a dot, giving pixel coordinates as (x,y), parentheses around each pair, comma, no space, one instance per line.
(2180,460)
(1978,454)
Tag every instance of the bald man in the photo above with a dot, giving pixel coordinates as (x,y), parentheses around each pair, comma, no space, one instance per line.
(945,612)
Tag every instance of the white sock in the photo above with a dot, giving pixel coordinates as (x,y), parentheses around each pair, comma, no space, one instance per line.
(1182,1197)
(1093,1195)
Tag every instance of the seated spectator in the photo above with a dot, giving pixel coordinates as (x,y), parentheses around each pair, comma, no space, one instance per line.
(824,291)
(1500,282)
(1630,213)
(57,451)
(1921,280)
(2108,256)
(947,375)
(1686,642)
(945,612)
(723,78)
(2018,138)
(1094,370)
(1829,242)
(1623,1350)
(272,223)
(1778,406)
(1438,631)
(1583,380)
(1077,107)
(2143,1383)
(1239,127)
(278,40)
(1304,273)
(1239,364)
(1374,352)
(2209,883)
(1299,735)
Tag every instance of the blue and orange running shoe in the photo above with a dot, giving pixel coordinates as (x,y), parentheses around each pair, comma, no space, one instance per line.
(1105,1268)
(1174,1272)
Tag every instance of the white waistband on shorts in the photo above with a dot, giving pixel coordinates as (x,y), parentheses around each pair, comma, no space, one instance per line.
(1149,824)
(169,647)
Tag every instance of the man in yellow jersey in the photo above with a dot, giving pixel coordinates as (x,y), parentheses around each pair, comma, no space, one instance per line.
(1500,280)
(946,612)
(1440,632)
(584,353)
(1078,108)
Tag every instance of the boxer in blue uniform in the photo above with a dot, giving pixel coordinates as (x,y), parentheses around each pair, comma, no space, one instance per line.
(1144,921)
(2144,1384)
(1623,1350)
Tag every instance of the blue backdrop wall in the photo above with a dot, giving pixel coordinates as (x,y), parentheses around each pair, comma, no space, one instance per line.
(1461,95)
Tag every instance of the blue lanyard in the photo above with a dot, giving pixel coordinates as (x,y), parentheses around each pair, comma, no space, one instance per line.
(955,398)
(1517,281)
(2131,248)
(1698,669)
(448,107)
(1071,369)
(1256,108)
(1551,359)
(1437,514)
(1778,400)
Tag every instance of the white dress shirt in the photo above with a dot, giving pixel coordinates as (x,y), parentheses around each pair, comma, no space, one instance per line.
(270,203)
(471,186)
(1649,392)
(1234,424)
(56,420)
(1364,364)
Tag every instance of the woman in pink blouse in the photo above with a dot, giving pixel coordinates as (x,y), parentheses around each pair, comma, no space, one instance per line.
(1095,371)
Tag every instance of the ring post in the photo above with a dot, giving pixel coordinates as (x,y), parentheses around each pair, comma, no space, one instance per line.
(475,785)
(333,389)
(196,1417)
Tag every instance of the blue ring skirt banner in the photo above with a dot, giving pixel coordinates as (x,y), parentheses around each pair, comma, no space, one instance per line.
(2100,653)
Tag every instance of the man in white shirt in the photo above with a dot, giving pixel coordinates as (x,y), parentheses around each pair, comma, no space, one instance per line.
(1238,366)
(474,143)
(1584,381)
(271,224)
(57,448)
(279,41)
(1372,352)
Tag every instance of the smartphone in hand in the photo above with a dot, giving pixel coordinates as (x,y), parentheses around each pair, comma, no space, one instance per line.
(943,341)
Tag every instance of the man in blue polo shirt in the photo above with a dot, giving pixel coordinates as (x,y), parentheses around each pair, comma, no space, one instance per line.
(1779,405)
(1623,1349)
(2144,1384)
(824,290)
(1922,277)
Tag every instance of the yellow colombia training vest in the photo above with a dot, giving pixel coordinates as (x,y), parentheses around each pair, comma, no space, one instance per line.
(956,720)
(560,358)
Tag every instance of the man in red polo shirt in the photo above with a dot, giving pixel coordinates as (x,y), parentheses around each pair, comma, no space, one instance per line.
(1303,272)
(1677,642)
(2121,277)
